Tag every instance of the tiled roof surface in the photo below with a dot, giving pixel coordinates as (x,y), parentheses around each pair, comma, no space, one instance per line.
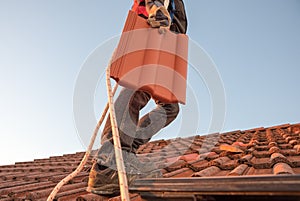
(241,154)
(253,152)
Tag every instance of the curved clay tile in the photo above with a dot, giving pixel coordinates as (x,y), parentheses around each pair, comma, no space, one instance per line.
(274,150)
(210,171)
(282,168)
(278,158)
(230,148)
(297,147)
(238,170)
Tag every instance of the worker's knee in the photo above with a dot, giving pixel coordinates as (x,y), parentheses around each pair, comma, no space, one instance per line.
(174,109)
(171,109)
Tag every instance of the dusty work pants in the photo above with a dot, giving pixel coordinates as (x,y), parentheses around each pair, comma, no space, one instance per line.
(134,131)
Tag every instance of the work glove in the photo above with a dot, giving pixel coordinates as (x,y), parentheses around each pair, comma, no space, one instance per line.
(159,16)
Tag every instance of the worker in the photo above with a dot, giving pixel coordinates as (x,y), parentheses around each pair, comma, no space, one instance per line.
(135,131)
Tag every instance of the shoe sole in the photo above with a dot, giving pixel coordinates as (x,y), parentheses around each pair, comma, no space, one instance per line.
(109,189)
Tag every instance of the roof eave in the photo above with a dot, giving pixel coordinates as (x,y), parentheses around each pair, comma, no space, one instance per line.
(257,186)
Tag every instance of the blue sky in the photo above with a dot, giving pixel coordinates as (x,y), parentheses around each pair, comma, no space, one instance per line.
(43,44)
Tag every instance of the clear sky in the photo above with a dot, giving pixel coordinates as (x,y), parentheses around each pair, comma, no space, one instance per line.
(254,44)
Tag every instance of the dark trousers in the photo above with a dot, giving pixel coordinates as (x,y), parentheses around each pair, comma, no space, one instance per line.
(132,130)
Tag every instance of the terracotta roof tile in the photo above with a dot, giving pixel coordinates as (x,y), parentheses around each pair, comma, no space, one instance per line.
(282,168)
(72,193)
(297,148)
(91,197)
(14,184)
(245,159)
(190,157)
(274,150)
(295,160)
(285,146)
(239,170)
(210,171)
(261,163)
(133,197)
(278,158)
(259,171)
(175,165)
(219,161)
(177,172)
(296,170)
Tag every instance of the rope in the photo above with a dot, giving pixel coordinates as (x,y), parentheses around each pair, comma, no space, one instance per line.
(117,145)
(119,158)
(86,156)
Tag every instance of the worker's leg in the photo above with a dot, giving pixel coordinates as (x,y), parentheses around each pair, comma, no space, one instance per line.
(103,178)
(154,121)
(127,107)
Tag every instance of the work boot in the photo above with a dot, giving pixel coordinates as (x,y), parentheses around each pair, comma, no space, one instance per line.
(135,167)
(103,180)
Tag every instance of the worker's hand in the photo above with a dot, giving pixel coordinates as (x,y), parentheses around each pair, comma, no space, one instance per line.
(152,21)
(160,18)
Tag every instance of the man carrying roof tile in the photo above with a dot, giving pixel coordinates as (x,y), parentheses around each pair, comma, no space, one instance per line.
(103,178)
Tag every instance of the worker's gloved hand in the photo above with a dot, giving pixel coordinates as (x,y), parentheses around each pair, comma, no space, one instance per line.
(161,18)
(158,14)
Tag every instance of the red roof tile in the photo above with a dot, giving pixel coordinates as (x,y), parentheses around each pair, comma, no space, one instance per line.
(282,168)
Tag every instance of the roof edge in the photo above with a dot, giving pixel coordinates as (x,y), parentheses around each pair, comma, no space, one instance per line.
(280,185)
